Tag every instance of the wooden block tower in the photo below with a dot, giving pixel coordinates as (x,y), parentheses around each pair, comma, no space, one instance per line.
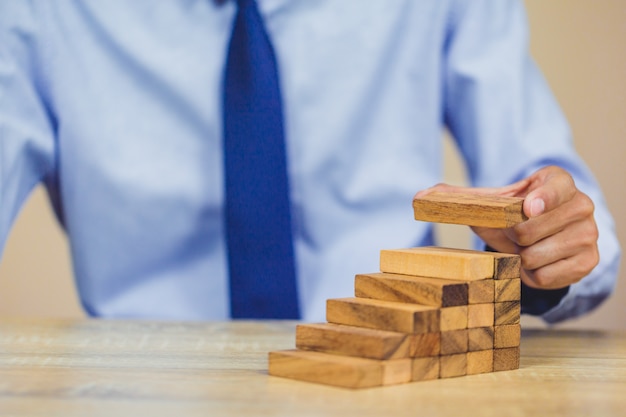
(430,313)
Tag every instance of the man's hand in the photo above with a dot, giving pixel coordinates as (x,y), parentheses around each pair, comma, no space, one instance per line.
(558,244)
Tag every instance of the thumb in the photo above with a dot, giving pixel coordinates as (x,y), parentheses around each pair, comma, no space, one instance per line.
(550,188)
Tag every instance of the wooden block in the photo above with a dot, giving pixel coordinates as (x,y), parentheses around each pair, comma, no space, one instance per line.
(453,365)
(384,315)
(425,344)
(506,359)
(506,336)
(453,318)
(438,263)
(454,341)
(425,369)
(507,266)
(341,371)
(480,315)
(480,292)
(508,290)
(507,312)
(339,339)
(480,338)
(480,362)
(469,209)
(409,289)
(353,341)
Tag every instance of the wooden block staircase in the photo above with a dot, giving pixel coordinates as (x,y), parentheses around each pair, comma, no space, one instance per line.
(429,313)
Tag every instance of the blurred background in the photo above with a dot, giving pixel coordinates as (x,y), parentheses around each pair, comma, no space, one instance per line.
(581,47)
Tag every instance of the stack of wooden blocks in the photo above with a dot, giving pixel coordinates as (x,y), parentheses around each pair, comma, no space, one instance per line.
(430,313)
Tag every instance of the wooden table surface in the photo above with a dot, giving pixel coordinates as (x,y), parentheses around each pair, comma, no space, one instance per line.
(148,369)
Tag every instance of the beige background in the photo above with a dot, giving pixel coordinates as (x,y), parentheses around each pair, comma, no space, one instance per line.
(579,44)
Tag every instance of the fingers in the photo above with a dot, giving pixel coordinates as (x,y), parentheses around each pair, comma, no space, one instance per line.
(580,208)
(559,274)
(558,244)
(557,261)
(563,258)
(550,188)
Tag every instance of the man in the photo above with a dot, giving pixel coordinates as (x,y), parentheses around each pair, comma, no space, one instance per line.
(118,107)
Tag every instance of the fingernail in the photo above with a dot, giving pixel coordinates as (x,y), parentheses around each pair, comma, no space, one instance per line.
(537,206)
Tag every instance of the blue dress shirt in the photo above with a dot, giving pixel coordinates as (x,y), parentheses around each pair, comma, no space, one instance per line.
(115,105)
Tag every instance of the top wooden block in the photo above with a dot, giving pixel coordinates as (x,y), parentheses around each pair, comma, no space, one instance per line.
(469,209)
(506,265)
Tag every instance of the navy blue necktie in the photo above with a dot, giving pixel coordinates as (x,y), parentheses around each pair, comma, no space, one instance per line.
(258,218)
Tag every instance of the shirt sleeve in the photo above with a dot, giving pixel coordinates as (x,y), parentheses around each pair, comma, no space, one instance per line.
(26,125)
(507,125)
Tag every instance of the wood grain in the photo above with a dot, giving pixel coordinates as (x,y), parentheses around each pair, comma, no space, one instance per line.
(480,338)
(454,341)
(508,290)
(425,344)
(480,362)
(438,262)
(469,209)
(453,318)
(453,365)
(424,369)
(506,359)
(480,315)
(506,312)
(508,335)
(404,288)
(507,265)
(480,292)
(341,371)
(384,315)
(76,368)
(354,341)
